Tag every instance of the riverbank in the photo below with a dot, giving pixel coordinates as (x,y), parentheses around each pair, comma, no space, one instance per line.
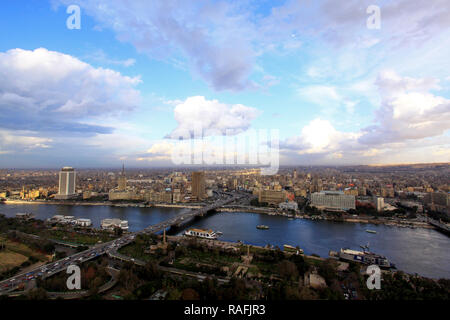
(106,203)
(361,219)
(227,245)
(267,211)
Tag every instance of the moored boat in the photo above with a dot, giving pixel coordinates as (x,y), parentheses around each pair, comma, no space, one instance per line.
(200,233)
(262,227)
(365,257)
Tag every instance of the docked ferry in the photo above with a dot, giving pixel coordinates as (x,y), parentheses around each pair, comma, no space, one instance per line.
(200,233)
(365,257)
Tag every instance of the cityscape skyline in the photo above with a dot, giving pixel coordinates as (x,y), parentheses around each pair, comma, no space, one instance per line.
(338,91)
(209,152)
(226,167)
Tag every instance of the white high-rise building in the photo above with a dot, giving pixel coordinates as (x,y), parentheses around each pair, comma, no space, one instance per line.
(379,203)
(67,178)
(333,200)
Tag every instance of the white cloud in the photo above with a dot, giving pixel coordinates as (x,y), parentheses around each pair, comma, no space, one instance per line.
(212,36)
(402,21)
(320,137)
(211,116)
(221,41)
(408,110)
(44,90)
(19,141)
(410,119)
(161,150)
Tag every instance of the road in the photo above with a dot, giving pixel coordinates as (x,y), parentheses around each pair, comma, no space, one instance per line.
(48,270)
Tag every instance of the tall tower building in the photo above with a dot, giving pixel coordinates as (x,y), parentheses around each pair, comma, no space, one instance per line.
(122,185)
(67,178)
(379,203)
(198,185)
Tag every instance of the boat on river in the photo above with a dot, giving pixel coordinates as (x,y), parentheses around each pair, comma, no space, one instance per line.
(200,233)
(365,257)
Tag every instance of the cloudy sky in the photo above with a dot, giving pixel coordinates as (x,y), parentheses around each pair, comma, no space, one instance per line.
(139,74)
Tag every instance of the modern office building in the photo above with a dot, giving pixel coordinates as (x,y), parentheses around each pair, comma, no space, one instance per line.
(334,200)
(198,185)
(67,180)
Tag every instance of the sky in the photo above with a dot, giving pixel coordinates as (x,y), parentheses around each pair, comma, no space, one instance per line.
(338,83)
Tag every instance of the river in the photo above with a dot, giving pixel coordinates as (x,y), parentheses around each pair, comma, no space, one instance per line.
(422,251)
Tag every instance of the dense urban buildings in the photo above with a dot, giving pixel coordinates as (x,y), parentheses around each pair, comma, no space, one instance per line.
(424,187)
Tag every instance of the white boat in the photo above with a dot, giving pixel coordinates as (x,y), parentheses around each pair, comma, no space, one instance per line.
(110,224)
(365,257)
(200,233)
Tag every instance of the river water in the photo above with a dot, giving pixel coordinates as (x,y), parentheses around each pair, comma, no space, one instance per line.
(422,251)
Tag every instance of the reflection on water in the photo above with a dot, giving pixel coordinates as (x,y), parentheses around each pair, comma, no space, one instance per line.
(422,251)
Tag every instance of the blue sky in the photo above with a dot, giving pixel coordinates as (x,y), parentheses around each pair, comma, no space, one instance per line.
(136,75)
